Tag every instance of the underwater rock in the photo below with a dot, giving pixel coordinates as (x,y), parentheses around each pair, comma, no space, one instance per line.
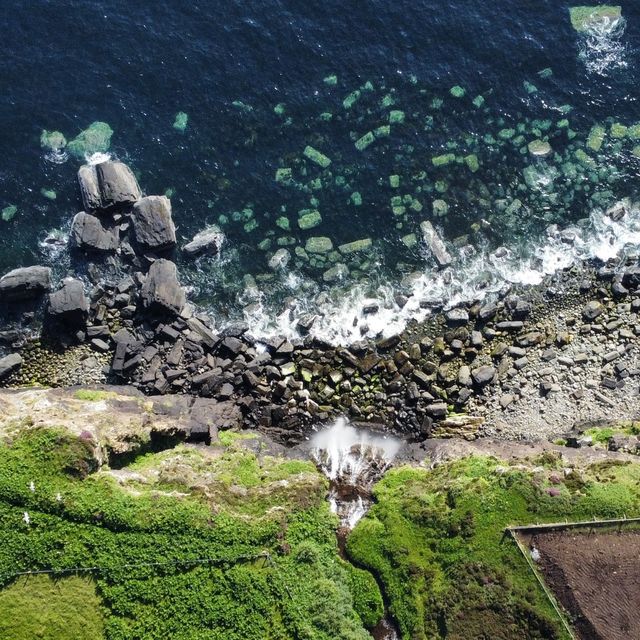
(596,137)
(208,241)
(356,245)
(539,148)
(584,18)
(152,223)
(25,283)
(69,303)
(309,219)
(52,140)
(95,138)
(337,272)
(280,259)
(9,212)
(88,234)
(319,244)
(362,143)
(435,244)
(49,194)
(315,156)
(161,290)
(107,184)
(181,120)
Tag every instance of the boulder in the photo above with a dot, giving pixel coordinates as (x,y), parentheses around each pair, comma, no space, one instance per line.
(592,310)
(108,184)
(89,234)
(25,283)
(208,241)
(69,303)
(161,290)
(482,376)
(9,364)
(152,223)
(435,244)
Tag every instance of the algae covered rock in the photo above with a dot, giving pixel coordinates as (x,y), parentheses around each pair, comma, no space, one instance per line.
(319,244)
(309,219)
(584,18)
(539,148)
(181,120)
(9,212)
(94,139)
(52,140)
(316,156)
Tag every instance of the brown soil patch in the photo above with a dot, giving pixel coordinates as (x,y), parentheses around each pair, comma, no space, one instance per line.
(596,577)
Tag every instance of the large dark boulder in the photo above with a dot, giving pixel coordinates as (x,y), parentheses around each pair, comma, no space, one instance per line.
(161,291)
(9,364)
(25,283)
(69,303)
(108,184)
(89,234)
(152,223)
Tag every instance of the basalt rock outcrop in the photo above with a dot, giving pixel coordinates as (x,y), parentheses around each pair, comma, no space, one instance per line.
(25,283)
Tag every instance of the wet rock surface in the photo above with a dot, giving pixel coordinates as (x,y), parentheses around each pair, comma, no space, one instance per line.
(526,365)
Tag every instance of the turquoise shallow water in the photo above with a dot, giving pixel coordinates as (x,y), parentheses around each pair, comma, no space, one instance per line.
(421,111)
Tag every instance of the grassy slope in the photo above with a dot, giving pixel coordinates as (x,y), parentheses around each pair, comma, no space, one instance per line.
(40,607)
(435,539)
(273,573)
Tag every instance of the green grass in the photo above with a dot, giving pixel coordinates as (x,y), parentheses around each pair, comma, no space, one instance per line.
(93,395)
(40,607)
(435,539)
(271,567)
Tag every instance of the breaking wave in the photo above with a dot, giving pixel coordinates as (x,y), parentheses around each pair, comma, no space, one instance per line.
(351,312)
(601,48)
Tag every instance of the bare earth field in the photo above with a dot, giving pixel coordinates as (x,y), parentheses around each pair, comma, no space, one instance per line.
(596,578)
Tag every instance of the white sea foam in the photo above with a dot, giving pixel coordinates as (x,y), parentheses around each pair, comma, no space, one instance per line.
(346,314)
(56,156)
(97,158)
(601,47)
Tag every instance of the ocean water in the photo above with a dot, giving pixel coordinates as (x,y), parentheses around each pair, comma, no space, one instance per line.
(380,90)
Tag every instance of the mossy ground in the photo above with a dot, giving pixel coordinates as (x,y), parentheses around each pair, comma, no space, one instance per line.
(194,545)
(435,539)
(47,609)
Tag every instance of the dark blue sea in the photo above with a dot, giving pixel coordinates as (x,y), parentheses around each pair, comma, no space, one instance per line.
(499,123)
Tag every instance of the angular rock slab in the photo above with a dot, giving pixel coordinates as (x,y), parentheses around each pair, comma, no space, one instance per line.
(9,364)
(435,244)
(25,283)
(207,241)
(152,223)
(161,291)
(108,184)
(89,234)
(69,303)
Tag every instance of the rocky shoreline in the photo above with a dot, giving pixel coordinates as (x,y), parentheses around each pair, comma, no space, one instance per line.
(528,366)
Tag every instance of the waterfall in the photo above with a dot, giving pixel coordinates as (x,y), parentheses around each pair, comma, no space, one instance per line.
(353,459)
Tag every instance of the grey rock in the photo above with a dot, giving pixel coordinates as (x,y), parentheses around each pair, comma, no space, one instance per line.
(108,184)
(208,241)
(592,310)
(89,234)
(69,303)
(9,364)
(161,290)
(457,316)
(152,223)
(482,376)
(435,244)
(25,283)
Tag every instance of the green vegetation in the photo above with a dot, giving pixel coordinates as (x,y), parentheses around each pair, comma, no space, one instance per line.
(206,543)
(40,607)
(93,395)
(601,435)
(435,540)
